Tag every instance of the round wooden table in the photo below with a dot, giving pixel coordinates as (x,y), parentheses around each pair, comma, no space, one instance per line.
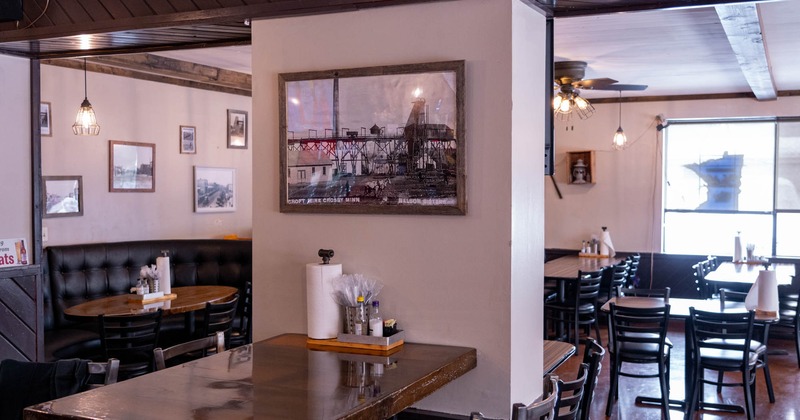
(189,298)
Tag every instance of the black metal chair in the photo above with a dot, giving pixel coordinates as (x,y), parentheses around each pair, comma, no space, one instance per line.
(102,373)
(24,383)
(699,272)
(570,395)
(219,317)
(789,310)
(633,270)
(576,307)
(722,342)
(638,335)
(593,357)
(131,339)
(162,357)
(543,409)
(242,330)
(758,345)
(614,277)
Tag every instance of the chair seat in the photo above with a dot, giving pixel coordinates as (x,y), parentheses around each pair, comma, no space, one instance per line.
(755,346)
(725,358)
(650,350)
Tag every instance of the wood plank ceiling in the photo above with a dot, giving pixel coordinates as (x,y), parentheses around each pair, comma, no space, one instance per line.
(56,30)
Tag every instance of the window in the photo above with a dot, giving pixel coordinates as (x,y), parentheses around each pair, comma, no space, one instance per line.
(724,177)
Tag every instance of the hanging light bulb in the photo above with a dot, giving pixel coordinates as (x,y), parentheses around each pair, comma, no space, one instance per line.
(620,141)
(86,121)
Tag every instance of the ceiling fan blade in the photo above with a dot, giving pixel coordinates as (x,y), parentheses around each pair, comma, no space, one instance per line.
(621,87)
(594,83)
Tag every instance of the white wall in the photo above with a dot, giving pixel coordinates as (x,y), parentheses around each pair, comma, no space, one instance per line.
(448,279)
(627,196)
(16,206)
(147,112)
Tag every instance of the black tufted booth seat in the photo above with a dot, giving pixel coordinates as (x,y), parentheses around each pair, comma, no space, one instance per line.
(79,273)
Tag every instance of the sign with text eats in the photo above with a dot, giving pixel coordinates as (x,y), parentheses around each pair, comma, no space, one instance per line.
(13,252)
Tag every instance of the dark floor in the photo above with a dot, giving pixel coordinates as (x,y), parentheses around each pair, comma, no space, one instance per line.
(785,380)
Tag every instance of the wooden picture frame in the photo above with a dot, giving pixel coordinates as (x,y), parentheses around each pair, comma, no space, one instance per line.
(187,139)
(237,129)
(214,189)
(386,139)
(131,166)
(62,196)
(581,167)
(45,120)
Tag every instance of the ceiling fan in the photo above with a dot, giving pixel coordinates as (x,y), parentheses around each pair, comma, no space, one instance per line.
(569,79)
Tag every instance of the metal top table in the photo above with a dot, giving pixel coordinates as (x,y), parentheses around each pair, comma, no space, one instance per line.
(278,378)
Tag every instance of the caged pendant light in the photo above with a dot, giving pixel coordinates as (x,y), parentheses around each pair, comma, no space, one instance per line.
(620,141)
(85,121)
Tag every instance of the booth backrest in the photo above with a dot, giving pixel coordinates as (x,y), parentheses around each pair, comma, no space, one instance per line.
(79,273)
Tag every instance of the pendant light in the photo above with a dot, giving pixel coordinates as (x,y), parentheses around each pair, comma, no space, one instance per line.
(85,121)
(620,141)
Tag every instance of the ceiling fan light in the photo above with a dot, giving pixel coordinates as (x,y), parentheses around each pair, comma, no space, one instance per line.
(557,100)
(581,103)
(620,141)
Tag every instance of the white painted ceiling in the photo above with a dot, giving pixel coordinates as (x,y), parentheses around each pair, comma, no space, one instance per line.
(674,52)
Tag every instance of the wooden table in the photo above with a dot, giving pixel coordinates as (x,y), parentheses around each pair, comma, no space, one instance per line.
(567,267)
(679,309)
(189,298)
(736,273)
(556,353)
(278,378)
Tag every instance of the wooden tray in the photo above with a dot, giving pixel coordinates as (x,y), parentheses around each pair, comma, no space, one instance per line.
(155,299)
(334,344)
(582,255)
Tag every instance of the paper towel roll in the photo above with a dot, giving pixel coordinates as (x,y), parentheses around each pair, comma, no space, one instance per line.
(737,248)
(164,276)
(606,246)
(767,291)
(324,314)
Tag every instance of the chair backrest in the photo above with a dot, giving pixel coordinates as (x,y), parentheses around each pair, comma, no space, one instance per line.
(711,263)
(243,333)
(652,293)
(593,357)
(619,277)
(589,286)
(543,409)
(699,272)
(570,395)
(219,317)
(162,356)
(633,270)
(106,373)
(789,305)
(131,339)
(638,326)
(721,331)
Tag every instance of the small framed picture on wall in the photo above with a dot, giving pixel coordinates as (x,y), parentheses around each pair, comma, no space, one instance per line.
(188,139)
(237,129)
(44,119)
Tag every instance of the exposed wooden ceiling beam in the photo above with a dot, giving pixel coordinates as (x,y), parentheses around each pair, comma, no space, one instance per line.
(164,70)
(743,27)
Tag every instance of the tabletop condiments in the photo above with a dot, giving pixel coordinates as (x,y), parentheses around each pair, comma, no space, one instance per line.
(361,326)
(375,321)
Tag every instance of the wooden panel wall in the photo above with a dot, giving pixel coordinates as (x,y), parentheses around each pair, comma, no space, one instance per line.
(21,314)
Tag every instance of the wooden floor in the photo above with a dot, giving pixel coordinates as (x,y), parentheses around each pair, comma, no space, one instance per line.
(785,380)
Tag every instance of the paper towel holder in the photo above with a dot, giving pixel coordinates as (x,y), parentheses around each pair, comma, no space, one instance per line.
(326,255)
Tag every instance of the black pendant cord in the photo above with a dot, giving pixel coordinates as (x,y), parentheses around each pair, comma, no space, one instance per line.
(85,94)
(620,110)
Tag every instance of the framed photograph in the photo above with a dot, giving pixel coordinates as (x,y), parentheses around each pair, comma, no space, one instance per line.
(188,139)
(45,119)
(214,189)
(374,140)
(237,129)
(131,167)
(63,196)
